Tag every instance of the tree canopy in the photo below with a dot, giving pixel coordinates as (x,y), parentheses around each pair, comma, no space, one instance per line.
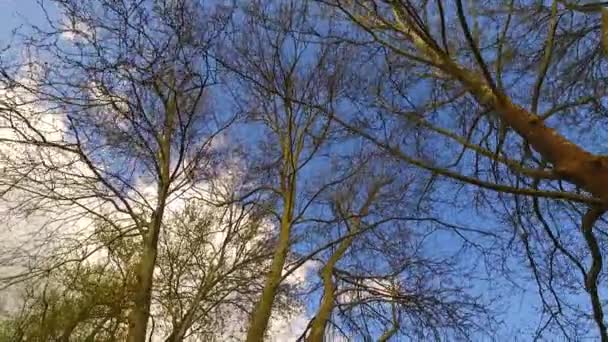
(315,170)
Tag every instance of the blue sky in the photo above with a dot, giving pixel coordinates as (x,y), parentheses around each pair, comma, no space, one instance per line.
(14,12)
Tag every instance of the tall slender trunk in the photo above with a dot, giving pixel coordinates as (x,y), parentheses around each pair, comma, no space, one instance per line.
(140,313)
(263,310)
(138,318)
(317,330)
(292,142)
(142,291)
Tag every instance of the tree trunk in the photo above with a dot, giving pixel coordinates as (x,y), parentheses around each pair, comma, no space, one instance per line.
(317,330)
(138,317)
(142,291)
(262,312)
(571,162)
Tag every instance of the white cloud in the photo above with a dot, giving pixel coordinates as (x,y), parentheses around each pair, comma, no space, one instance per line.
(288,329)
(75,31)
(45,226)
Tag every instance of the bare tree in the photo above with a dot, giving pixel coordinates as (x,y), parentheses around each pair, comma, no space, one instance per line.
(126,85)
(208,275)
(295,80)
(412,151)
(353,222)
(209,268)
(85,302)
(517,107)
(274,63)
(379,277)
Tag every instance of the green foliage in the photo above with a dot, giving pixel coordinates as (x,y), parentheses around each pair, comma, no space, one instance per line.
(81,304)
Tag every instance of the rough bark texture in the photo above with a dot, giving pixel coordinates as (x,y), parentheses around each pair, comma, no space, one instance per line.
(138,318)
(571,162)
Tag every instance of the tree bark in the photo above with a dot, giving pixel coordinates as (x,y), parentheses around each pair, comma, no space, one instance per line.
(142,291)
(591,277)
(571,162)
(138,317)
(263,310)
(317,330)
